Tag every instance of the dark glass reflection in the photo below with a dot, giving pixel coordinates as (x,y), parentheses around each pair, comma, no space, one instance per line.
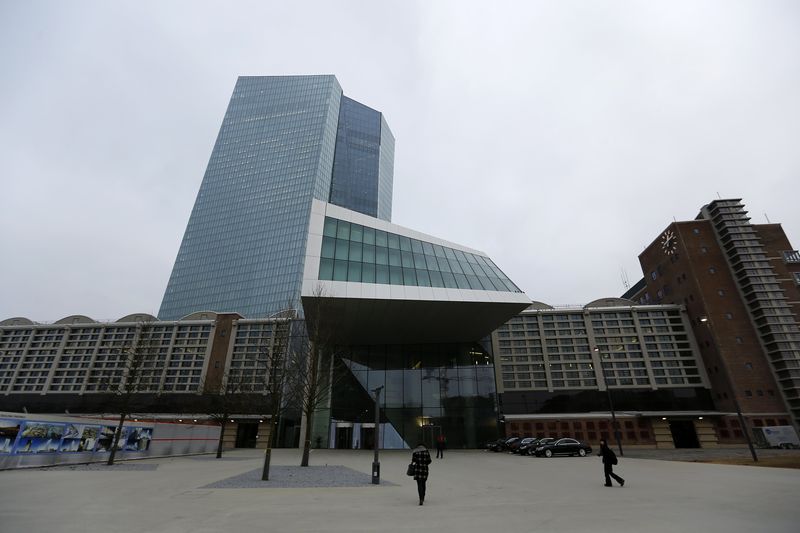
(429,389)
(354,183)
(672,399)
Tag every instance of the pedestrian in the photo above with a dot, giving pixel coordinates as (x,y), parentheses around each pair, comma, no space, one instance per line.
(609,460)
(420,459)
(441,444)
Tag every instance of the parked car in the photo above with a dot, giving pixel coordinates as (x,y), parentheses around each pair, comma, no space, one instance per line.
(529,448)
(492,443)
(563,447)
(502,444)
(517,446)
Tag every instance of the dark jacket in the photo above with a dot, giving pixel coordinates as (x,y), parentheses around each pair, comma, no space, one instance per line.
(421,459)
(608,455)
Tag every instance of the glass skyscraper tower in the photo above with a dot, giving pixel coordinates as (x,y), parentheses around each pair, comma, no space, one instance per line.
(294,212)
(284,141)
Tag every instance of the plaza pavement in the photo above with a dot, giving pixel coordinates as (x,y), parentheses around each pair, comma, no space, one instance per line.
(468,491)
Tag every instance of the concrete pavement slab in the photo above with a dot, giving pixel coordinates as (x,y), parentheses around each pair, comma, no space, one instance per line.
(468,492)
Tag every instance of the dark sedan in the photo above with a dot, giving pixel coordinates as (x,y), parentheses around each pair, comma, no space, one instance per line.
(501,444)
(530,447)
(517,446)
(563,447)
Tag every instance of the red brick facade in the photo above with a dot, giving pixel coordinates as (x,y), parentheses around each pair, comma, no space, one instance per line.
(697,275)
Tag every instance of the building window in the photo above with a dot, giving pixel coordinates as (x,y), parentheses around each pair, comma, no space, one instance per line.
(712,270)
(703,250)
(748,366)
(739,340)
(748,393)
(791,256)
(696,231)
(653,275)
(729,316)
(721,292)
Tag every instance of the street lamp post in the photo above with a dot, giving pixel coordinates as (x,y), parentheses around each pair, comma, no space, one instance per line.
(742,423)
(376,465)
(610,402)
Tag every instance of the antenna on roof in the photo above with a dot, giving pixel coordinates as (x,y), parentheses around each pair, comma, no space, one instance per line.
(718,196)
(765,216)
(624,276)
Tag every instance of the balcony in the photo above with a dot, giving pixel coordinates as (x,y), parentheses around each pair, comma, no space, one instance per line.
(791,256)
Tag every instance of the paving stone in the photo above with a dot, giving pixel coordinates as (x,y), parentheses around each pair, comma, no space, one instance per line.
(297,477)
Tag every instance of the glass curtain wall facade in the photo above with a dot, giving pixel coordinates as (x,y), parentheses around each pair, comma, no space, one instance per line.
(244,246)
(429,389)
(362,141)
(356,253)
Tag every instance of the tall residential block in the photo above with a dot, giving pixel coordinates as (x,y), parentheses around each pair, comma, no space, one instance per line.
(740,283)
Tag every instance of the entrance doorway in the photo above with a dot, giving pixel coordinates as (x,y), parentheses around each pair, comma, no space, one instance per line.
(246,433)
(367,438)
(429,435)
(684,434)
(344,438)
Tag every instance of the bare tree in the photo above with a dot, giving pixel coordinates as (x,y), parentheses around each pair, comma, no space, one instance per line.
(310,368)
(273,355)
(229,397)
(137,371)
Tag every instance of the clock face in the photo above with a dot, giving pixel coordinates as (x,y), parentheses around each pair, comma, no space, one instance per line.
(669,242)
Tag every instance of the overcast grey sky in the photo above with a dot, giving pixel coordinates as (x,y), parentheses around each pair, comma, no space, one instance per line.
(558,137)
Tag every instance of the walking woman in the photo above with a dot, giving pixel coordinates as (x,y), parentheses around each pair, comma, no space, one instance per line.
(609,460)
(420,458)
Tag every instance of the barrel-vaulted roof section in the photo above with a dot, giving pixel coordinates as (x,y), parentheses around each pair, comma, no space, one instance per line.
(610,302)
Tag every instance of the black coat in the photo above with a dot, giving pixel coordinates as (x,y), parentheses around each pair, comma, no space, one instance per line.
(608,455)
(421,459)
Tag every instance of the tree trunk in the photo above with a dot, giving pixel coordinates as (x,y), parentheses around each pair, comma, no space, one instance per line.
(307,438)
(221,435)
(267,459)
(311,402)
(268,452)
(115,442)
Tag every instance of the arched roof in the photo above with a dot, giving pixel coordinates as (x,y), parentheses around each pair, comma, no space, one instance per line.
(18,321)
(201,315)
(610,302)
(76,319)
(138,317)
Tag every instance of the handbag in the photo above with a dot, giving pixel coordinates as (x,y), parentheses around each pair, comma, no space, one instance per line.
(410,470)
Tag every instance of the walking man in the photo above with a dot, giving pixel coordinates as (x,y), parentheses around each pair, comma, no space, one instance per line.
(441,444)
(609,460)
